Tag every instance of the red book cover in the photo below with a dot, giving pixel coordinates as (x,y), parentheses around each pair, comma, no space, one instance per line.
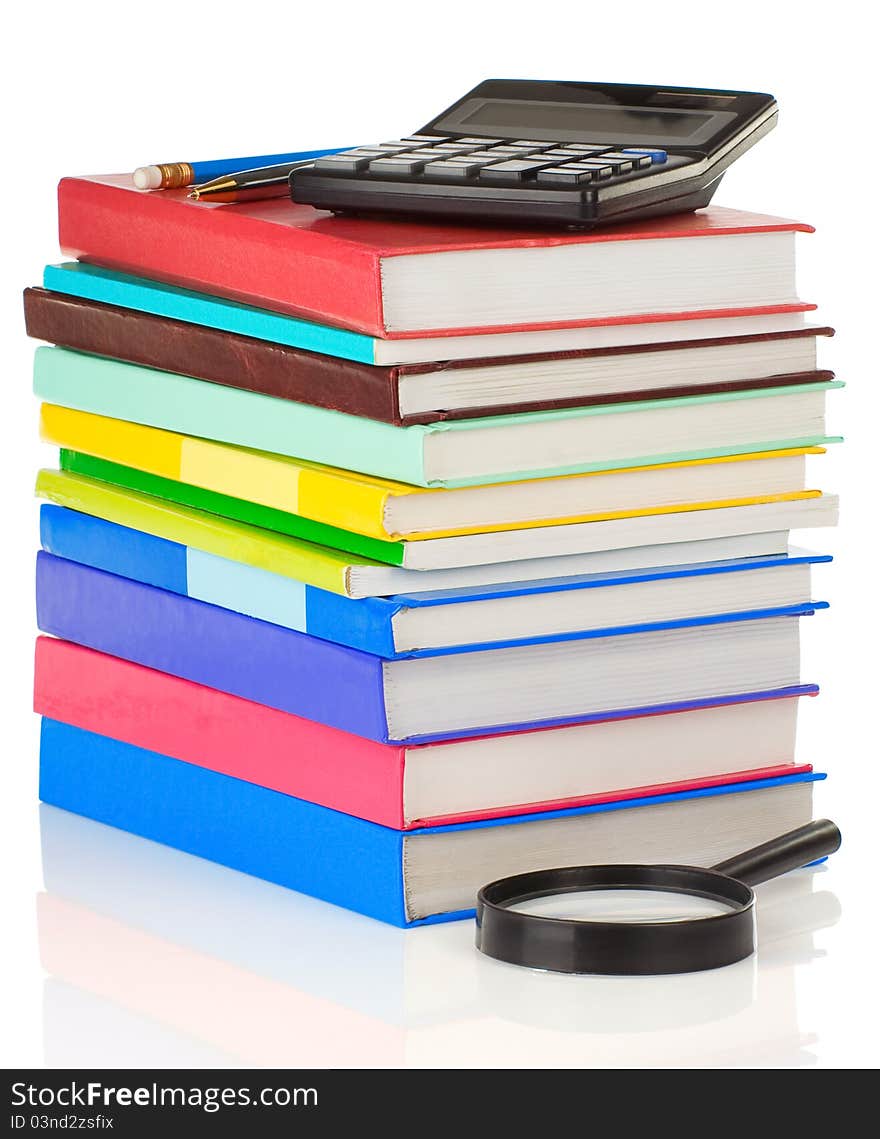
(294,259)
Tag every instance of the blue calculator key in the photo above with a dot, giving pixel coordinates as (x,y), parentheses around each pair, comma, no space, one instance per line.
(656,156)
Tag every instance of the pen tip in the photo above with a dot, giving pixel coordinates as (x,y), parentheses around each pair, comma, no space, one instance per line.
(194,194)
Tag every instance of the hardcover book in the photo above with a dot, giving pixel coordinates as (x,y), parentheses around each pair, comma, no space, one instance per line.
(392,278)
(406,786)
(402,877)
(427,393)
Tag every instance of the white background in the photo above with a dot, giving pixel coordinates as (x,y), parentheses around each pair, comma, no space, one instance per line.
(96,87)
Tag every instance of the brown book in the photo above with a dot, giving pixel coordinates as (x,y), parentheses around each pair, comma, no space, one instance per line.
(375,391)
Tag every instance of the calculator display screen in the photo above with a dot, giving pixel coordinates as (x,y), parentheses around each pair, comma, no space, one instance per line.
(585,122)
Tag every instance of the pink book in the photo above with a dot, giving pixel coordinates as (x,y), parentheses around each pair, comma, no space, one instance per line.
(406,787)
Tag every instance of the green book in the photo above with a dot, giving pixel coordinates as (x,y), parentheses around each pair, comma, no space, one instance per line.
(238,509)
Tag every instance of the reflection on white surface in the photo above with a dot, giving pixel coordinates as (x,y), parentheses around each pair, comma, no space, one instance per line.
(158,959)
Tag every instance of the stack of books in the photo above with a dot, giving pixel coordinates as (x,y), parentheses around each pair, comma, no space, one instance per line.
(386,559)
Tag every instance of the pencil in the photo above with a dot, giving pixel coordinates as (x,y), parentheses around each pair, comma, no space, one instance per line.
(173,175)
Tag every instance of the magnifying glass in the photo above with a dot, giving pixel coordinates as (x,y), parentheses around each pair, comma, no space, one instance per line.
(639,919)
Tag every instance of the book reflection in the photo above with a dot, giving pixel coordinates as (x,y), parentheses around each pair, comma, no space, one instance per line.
(159,959)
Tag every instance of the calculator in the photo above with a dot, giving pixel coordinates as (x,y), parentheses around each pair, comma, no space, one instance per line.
(529,152)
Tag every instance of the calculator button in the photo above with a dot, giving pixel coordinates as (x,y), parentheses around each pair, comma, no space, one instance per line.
(455,168)
(562,154)
(535,144)
(428,152)
(639,161)
(397,144)
(565,175)
(457,147)
(430,139)
(344,163)
(600,168)
(656,156)
(494,155)
(480,141)
(369,151)
(398,164)
(587,147)
(619,165)
(514,170)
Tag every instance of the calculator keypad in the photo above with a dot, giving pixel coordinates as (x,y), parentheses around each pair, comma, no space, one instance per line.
(488,160)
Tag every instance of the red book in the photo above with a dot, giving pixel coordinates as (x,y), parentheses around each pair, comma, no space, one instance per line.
(396,279)
(404,786)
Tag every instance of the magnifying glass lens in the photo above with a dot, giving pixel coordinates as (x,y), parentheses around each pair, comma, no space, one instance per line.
(623,906)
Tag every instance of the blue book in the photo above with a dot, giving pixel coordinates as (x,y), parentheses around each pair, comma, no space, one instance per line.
(430,624)
(403,878)
(678,664)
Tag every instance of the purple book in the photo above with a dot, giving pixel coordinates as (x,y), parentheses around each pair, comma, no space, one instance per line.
(696,662)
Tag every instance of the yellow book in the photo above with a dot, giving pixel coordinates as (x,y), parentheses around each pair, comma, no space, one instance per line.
(391,511)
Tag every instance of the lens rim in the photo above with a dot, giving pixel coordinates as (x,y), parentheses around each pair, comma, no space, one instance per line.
(571,945)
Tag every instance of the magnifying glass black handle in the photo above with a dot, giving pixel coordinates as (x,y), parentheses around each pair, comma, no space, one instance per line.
(787,852)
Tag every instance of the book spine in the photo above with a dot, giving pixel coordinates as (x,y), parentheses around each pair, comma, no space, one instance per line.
(365,623)
(236,509)
(339,499)
(254,659)
(302,846)
(236,541)
(211,354)
(229,415)
(79,279)
(223,733)
(115,549)
(283,268)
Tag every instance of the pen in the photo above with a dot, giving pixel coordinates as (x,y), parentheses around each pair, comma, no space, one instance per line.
(247,185)
(172,175)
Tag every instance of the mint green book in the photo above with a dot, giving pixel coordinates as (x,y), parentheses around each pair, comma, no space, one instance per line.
(504,448)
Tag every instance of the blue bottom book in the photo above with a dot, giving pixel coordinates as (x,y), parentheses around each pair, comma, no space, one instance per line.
(403,878)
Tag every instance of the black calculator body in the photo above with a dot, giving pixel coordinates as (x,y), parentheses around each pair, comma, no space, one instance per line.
(529,152)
